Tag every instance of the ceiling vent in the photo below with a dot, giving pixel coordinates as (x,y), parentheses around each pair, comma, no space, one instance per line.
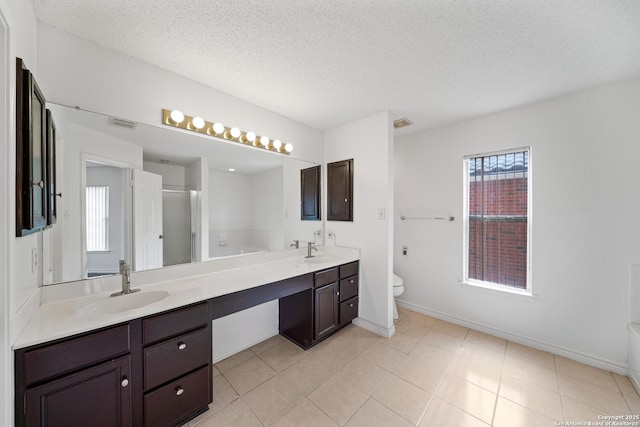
(401,123)
(122,123)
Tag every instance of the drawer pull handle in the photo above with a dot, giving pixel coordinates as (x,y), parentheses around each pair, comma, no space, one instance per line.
(351,305)
(182,346)
(351,281)
(125,382)
(179,391)
(338,293)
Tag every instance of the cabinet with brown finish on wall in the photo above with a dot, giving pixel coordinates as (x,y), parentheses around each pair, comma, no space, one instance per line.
(340,191)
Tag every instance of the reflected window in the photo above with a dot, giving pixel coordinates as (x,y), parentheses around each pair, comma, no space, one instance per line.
(98,219)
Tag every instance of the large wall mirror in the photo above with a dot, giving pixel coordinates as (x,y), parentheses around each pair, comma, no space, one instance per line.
(157,197)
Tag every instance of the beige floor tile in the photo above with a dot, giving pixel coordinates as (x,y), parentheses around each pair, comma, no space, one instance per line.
(402,312)
(408,327)
(382,355)
(489,341)
(432,355)
(603,398)
(531,355)
(634,404)
(267,344)
(236,414)
(309,373)
(482,355)
(444,341)
(223,394)
(336,354)
(422,319)
(576,411)
(375,414)
(421,373)
(531,396)
(400,342)
(248,375)
(532,373)
(356,339)
(233,361)
(282,355)
(271,399)
(442,414)
(338,398)
(215,371)
(625,386)
(475,373)
(510,414)
(403,398)
(305,414)
(364,374)
(468,397)
(571,368)
(450,329)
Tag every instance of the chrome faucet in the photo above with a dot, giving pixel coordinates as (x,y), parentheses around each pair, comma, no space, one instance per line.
(309,248)
(296,244)
(125,272)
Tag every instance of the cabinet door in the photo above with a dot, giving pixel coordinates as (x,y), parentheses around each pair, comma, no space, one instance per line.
(340,191)
(98,396)
(325,310)
(310,197)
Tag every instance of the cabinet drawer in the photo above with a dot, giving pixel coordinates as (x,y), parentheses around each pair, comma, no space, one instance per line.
(348,310)
(173,323)
(175,357)
(325,277)
(70,355)
(348,288)
(177,400)
(350,269)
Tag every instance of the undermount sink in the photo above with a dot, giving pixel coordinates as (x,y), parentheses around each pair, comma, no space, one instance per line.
(122,303)
(319,259)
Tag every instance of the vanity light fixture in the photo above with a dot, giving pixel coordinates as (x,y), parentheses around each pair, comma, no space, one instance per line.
(176,118)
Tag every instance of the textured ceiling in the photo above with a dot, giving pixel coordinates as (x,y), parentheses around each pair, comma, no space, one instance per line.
(328,62)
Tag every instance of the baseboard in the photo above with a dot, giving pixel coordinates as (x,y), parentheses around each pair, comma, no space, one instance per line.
(539,345)
(244,347)
(374,327)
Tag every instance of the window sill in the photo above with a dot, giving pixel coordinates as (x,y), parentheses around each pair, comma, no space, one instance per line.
(99,252)
(500,289)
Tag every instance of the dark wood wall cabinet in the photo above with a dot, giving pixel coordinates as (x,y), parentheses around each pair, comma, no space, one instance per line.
(308,317)
(340,191)
(35,156)
(310,197)
(154,371)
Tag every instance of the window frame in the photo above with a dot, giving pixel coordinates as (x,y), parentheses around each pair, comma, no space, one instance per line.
(465,258)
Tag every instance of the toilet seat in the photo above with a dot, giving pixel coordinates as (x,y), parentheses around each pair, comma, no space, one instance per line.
(397,281)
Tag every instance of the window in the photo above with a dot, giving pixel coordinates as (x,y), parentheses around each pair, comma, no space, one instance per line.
(97,219)
(497,207)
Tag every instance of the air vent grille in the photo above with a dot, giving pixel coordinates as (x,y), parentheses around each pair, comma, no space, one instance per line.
(122,123)
(403,122)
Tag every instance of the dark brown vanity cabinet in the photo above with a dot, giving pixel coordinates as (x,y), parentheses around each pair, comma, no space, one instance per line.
(308,317)
(177,365)
(340,191)
(81,381)
(310,193)
(154,371)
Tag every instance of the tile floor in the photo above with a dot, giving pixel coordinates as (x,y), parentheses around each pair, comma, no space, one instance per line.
(431,373)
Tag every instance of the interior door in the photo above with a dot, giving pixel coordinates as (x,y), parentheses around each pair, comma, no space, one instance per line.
(147,220)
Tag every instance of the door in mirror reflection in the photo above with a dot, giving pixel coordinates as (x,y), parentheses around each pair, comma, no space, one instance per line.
(147,220)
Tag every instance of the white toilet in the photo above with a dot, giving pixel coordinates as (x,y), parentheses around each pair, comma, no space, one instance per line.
(398,289)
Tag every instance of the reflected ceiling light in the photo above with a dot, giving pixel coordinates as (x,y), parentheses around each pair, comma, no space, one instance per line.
(176,116)
(231,169)
(197,124)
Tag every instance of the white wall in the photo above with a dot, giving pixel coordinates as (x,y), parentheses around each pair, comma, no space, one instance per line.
(370,143)
(17,38)
(197,179)
(586,205)
(229,210)
(173,176)
(267,209)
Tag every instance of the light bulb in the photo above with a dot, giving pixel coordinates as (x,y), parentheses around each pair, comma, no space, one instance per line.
(231,169)
(264,141)
(235,132)
(288,148)
(218,128)
(197,122)
(251,137)
(176,116)
(277,144)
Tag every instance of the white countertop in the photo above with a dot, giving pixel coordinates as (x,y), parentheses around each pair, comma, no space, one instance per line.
(60,317)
